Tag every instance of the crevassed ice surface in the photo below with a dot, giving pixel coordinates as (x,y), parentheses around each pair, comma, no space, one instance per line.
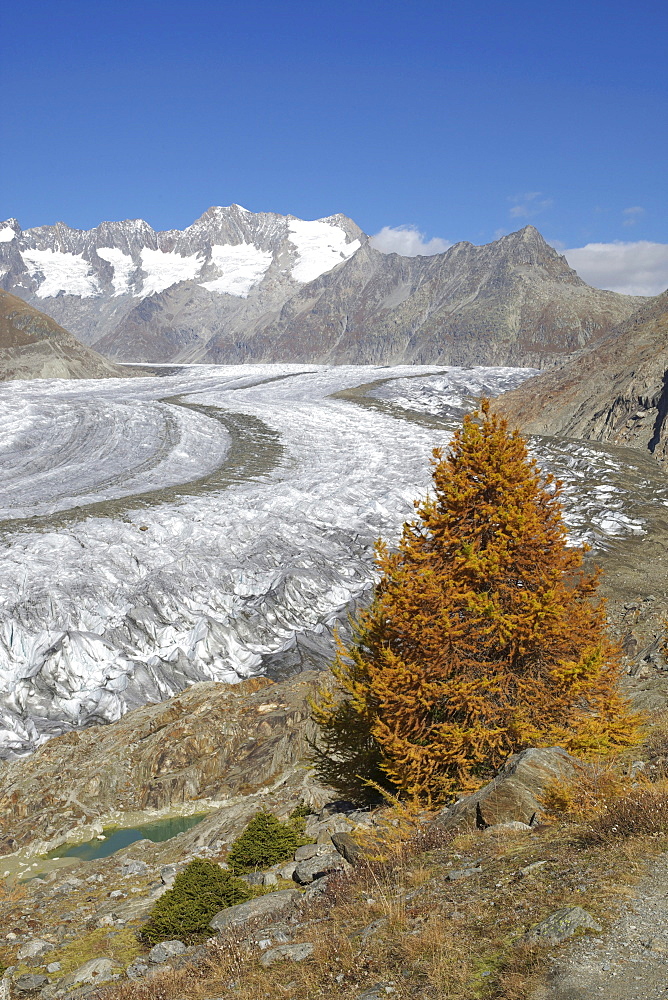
(236,511)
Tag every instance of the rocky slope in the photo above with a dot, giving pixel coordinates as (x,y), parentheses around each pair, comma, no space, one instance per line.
(616,391)
(212,744)
(32,345)
(237,286)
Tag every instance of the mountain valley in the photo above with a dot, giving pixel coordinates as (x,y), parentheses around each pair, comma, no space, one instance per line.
(179,547)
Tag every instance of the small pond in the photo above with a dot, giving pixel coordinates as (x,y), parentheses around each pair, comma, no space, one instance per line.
(116,838)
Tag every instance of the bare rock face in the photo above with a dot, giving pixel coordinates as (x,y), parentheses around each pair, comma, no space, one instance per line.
(615,391)
(511,302)
(32,345)
(212,743)
(238,286)
(513,796)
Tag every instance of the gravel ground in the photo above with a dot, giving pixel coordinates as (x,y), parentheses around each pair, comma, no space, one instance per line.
(630,961)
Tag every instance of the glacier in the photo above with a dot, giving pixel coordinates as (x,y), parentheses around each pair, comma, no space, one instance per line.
(213,522)
(61,272)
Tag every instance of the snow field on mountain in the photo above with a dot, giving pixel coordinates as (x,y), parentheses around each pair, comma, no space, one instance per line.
(61,272)
(123,266)
(320,246)
(163,269)
(314,247)
(100,614)
(241,267)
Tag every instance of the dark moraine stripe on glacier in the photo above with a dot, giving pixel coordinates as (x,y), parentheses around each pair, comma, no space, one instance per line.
(255,450)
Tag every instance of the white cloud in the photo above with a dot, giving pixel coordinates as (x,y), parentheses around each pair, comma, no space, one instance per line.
(639,268)
(529,204)
(633,214)
(407,241)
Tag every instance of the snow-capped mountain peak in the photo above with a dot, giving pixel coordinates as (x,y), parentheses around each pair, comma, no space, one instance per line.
(228,250)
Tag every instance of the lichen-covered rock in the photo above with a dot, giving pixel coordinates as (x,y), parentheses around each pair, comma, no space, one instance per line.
(97,970)
(27,984)
(159,953)
(560,925)
(34,948)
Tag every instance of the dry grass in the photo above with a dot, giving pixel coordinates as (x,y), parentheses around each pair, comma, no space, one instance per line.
(641,812)
(399,921)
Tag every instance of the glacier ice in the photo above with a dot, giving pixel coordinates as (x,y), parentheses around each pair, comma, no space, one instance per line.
(155,532)
(123,265)
(164,268)
(240,268)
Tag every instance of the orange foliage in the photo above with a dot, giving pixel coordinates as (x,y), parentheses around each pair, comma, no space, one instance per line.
(485,635)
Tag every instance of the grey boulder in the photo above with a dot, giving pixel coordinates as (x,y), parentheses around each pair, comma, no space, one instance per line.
(348,847)
(159,953)
(307,852)
(454,876)
(98,970)
(324,864)
(137,970)
(29,984)
(560,925)
(287,952)
(134,868)
(270,905)
(514,794)
(31,949)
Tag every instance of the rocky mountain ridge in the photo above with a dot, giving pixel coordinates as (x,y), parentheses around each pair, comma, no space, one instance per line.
(32,345)
(615,391)
(238,286)
(211,745)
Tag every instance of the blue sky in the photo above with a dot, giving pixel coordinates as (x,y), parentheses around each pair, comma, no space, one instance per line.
(462,119)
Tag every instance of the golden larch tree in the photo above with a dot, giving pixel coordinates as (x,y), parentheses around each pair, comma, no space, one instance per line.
(485,636)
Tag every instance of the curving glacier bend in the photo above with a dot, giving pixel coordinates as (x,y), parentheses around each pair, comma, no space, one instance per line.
(135,557)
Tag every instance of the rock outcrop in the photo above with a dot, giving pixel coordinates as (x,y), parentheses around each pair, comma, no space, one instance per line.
(32,345)
(615,391)
(515,301)
(513,796)
(213,743)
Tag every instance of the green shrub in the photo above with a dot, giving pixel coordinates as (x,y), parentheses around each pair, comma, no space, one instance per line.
(264,843)
(301,811)
(200,891)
